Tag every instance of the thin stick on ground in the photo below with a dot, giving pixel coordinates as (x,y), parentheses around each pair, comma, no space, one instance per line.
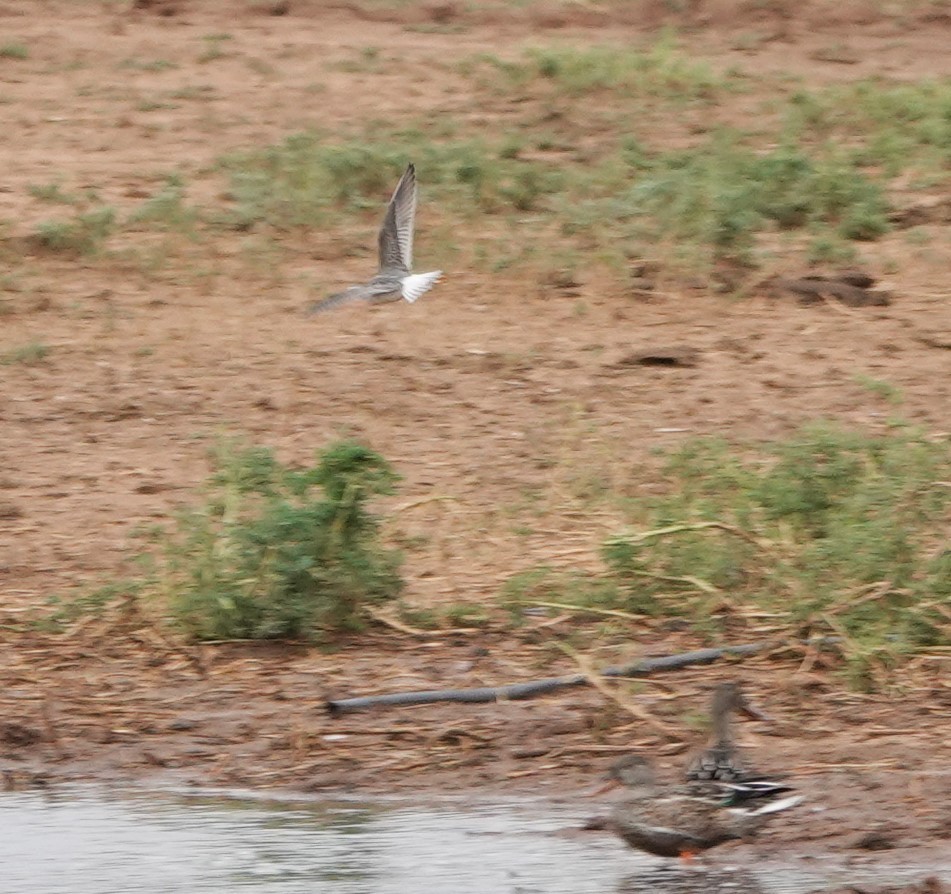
(596,680)
(641,536)
(422,501)
(587,610)
(382,618)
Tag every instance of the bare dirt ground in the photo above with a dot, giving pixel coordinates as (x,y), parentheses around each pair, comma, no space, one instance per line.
(492,396)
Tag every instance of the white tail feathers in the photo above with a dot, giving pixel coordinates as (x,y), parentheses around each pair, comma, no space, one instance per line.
(776,806)
(416,284)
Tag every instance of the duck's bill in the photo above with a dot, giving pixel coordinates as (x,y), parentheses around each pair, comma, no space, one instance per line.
(754,713)
(602,789)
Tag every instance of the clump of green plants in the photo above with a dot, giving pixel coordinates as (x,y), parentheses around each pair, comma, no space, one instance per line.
(30,353)
(661,71)
(53,193)
(715,198)
(811,176)
(14,50)
(834,531)
(167,209)
(893,125)
(84,233)
(304,182)
(148,64)
(214,47)
(93,602)
(547,587)
(277,552)
(880,388)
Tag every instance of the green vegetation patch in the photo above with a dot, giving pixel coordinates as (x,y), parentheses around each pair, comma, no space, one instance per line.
(305,182)
(717,197)
(660,71)
(712,200)
(33,352)
(276,552)
(167,210)
(834,532)
(148,64)
(84,233)
(608,152)
(886,124)
(53,193)
(14,50)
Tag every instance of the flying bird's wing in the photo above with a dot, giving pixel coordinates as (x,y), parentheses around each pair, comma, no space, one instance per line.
(396,234)
(354,293)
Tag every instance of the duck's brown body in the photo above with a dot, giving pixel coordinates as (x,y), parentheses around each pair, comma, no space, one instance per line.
(675,821)
(675,825)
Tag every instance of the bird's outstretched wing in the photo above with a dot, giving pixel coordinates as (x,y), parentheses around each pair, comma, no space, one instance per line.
(396,234)
(354,293)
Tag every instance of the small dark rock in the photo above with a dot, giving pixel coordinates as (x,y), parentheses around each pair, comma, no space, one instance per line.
(158,7)
(875,840)
(932,210)
(675,355)
(443,11)
(845,288)
(562,279)
(18,735)
(9,510)
(857,278)
(527,753)
(183,724)
(150,757)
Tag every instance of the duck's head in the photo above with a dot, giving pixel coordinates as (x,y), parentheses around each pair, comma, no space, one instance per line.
(632,771)
(729,697)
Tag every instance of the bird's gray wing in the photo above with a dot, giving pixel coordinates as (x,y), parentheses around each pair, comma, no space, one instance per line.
(396,234)
(354,293)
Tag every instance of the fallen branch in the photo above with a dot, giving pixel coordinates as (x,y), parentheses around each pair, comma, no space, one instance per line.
(593,678)
(437,498)
(588,609)
(641,536)
(381,618)
(517,691)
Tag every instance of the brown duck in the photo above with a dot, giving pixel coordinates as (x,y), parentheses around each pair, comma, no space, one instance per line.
(674,822)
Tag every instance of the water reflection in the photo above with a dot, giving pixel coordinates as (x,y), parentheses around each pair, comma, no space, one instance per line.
(78,841)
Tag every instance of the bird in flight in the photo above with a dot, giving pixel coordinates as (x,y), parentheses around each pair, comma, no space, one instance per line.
(395,278)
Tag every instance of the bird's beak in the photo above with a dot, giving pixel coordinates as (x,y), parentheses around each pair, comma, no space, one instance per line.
(602,789)
(754,713)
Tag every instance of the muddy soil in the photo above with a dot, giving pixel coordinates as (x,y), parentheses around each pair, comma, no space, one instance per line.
(500,405)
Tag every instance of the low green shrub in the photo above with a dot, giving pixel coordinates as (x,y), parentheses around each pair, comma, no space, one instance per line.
(276,552)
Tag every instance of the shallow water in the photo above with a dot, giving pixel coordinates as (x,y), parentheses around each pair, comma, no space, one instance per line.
(84,841)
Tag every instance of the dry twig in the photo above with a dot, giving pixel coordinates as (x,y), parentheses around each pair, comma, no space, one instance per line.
(598,682)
